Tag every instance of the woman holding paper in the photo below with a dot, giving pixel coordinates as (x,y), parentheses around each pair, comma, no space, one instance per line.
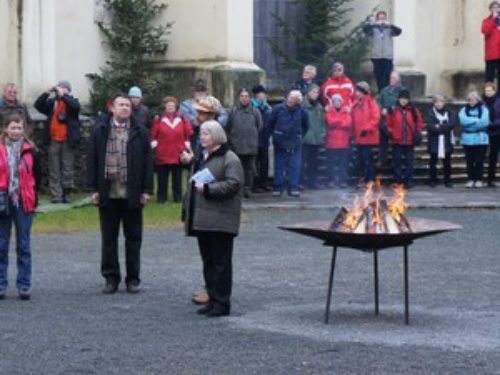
(212,214)
(440,125)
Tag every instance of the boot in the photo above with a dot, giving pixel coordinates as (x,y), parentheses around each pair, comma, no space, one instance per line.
(66,196)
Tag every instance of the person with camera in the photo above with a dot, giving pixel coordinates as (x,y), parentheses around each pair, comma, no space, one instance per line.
(380,34)
(19,181)
(62,135)
(491,30)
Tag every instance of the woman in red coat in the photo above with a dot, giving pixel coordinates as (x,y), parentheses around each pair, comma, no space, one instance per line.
(365,122)
(169,136)
(19,180)
(404,125)
(491,31)
(338,138)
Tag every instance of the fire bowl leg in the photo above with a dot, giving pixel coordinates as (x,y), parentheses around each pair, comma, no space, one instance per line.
(330,285)
(375,279)
(407,302)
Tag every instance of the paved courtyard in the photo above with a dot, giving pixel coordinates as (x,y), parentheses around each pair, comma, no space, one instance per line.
(276,327)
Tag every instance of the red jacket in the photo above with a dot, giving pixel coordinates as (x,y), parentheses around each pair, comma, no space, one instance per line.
(365,121)
(491,39)
(171,132)
(28,176)
(338,128)
(333,85)
(401,132)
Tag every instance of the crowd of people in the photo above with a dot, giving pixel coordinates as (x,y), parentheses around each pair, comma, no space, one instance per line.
(228,154)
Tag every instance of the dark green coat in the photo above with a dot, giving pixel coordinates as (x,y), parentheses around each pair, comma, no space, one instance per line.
(316,133)
(218,208)
(242,128)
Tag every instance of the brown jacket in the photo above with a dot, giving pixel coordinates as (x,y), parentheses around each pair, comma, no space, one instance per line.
(218,208)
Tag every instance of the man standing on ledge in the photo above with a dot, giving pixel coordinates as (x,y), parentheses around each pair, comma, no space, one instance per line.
(120,177)
(62,135)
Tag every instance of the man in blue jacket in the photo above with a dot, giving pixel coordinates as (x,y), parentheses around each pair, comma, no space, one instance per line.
(287,124)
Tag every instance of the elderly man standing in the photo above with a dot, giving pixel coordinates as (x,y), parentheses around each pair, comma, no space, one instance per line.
(140,112)
(120,177)
(288,123)
(243,127)
(63,136)
(10,104)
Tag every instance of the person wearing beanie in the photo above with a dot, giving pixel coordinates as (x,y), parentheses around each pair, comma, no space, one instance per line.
(404,125)
(338,139)
(243,126)
(259,101)
(140,113)
(337,83)
(387,99)
(365,122)
(440,124)
(212,214)
(62,135)
(474,120)
(314,138)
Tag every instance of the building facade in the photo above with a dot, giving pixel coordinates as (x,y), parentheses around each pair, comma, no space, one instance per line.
(43,41)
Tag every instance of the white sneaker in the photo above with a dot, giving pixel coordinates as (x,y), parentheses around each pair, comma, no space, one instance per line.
(469,184)
(478,184)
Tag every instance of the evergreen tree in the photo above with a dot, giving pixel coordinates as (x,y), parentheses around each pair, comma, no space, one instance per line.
(322,38)
(132,37)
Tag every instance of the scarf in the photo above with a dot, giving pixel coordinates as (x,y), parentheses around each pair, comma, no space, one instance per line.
(442,118)
(116,153)
(14,157)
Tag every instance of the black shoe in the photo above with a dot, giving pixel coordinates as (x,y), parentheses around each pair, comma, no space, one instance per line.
(133,287)
(110,287)
(66,196)
(204,310)
(448,184)
(217,312)
(24,293)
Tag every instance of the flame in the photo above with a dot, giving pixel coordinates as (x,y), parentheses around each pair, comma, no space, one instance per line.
(397,205)
(372,199)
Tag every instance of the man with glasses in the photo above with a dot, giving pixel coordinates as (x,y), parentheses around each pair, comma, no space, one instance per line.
(337,83)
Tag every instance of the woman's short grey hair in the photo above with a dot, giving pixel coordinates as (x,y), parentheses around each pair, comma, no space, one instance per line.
(474,95)
(438,98)
(216,131)
(296,94)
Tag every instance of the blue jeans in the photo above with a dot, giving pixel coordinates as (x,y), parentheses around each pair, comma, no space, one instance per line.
(365,154)
(22,222)
(287,162)
(402,158)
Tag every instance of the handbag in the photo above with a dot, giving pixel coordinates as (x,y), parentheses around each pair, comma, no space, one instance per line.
(4,204)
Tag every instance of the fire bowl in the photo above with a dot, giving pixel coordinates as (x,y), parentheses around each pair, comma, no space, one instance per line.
(369,241)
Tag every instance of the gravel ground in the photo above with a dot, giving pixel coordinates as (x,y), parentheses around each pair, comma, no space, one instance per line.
(280,280)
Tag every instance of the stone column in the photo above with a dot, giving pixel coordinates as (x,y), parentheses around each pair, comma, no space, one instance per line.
(9,58)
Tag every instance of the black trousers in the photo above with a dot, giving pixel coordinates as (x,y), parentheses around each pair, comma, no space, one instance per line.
(216,251)
(248,163)
(163,172)
(446,167)
(310,164)
(475,156)
(492,67)
(382,69)
(263,167)
(114,213)
(493,157)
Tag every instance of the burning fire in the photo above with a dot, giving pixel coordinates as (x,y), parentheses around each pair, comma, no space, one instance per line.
(374,212)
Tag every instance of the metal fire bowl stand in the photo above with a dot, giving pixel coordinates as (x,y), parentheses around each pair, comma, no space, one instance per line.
(371,243)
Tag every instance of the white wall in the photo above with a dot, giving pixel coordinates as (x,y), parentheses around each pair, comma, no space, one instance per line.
(9,62)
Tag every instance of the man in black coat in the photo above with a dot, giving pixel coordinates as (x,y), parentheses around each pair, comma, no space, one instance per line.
(120,177)
(62,134)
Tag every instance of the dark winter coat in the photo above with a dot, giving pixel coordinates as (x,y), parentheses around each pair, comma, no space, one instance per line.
(243,126)
(435,129)
(265,112)
(45,104)
(142,116)
(218,208)
(494,128)
(19,108)
(288,126)
(139,163)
